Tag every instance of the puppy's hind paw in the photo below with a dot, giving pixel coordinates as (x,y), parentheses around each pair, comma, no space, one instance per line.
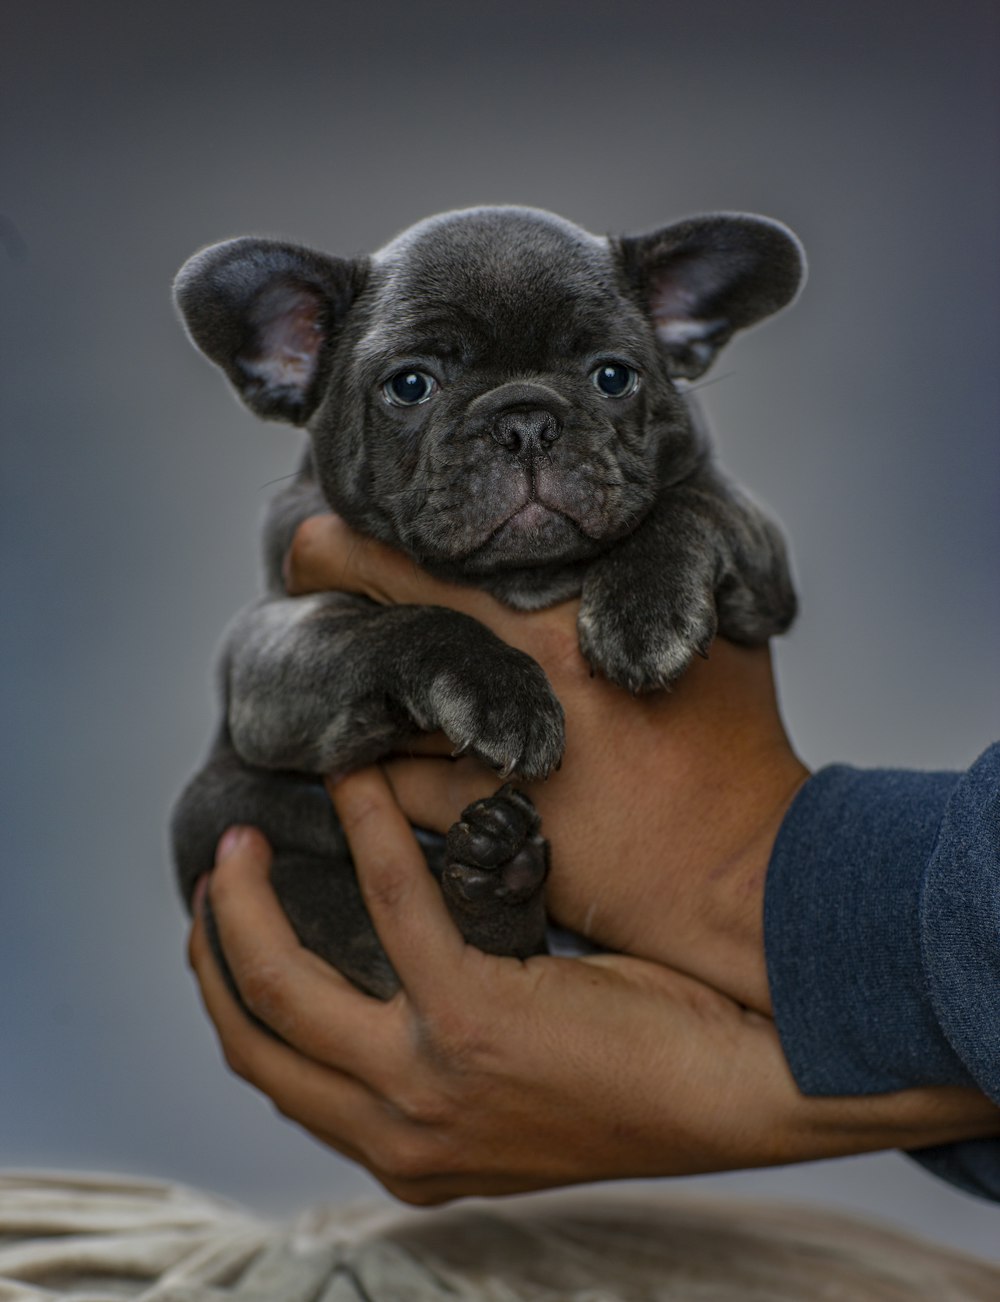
(495,867)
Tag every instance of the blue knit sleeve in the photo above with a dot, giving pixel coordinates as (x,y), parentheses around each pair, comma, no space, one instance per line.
(882,934)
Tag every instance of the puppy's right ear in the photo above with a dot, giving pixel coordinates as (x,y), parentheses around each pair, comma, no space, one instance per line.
(702,279)
(266,313)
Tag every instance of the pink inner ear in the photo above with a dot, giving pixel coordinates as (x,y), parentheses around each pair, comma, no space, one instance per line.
(670,301)
(673,307)
(289,336)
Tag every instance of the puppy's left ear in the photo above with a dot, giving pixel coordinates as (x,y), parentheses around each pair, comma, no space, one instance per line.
(267,314)
(704,278)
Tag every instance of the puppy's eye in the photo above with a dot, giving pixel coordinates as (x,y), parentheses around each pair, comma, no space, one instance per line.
(408,388)
(614,380)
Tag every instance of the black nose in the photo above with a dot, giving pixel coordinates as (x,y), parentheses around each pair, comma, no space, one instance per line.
(525,429)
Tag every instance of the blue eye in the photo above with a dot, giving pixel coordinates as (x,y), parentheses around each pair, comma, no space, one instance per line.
(408,388)
(614,380)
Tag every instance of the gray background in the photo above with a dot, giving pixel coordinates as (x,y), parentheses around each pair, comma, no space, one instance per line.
(866,418)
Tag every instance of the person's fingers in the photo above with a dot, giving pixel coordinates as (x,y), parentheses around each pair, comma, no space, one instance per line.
(426,743)
(327,554)
(404,901)
(302,999)
(433,792)
(333,1105)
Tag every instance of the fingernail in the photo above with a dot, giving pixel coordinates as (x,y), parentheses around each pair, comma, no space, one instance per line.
(232,840)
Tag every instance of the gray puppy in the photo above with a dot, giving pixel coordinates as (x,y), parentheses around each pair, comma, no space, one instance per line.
(499,394)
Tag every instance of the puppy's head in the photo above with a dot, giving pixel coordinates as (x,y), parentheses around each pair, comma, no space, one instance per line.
(496,389)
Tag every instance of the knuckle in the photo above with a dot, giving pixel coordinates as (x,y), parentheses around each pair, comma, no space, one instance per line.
(237,1062)
(456,1039)
(263,988)
(417,1194)
(406,1158)
(363,810)
(387,885)
(307,544)
(421,1106)
(284,1109)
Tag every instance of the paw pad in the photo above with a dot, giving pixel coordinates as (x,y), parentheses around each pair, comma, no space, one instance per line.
(494,852)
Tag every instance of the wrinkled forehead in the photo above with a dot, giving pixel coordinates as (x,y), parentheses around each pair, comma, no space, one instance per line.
(489,274)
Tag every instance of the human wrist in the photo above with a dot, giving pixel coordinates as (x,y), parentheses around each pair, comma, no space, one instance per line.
(703,913)
(734,931)
(901,1119)
(791,1126)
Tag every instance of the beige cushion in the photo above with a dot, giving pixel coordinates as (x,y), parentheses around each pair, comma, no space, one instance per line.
(101,1238)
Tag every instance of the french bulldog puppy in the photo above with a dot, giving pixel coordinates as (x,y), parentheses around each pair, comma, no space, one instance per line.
(501,395)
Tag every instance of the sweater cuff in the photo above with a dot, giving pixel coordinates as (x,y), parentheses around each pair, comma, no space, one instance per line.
(842,933)
(960,923)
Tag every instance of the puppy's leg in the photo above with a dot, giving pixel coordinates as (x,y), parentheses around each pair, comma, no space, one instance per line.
(755,597)
(331,682)
(494,875)
(322,901)
(291,809)
(705,560)
(312,873)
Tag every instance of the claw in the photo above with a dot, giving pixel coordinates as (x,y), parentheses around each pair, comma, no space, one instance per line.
(460,750)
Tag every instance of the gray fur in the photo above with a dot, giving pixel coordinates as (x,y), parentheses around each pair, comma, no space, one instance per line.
(516,474)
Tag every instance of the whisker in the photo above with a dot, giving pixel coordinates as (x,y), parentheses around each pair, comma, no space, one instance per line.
(280,480)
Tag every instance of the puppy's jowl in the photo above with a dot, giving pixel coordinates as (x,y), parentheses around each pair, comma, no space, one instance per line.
(501,395)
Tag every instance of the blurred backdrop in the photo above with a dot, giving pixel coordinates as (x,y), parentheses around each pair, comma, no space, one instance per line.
(866,417)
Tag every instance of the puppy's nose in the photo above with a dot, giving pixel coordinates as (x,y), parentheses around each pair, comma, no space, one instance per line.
(525,429)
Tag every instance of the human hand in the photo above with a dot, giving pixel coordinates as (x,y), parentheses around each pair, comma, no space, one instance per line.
(662,818)
(488,1075)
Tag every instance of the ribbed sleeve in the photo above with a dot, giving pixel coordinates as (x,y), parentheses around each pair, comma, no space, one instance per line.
(882,934)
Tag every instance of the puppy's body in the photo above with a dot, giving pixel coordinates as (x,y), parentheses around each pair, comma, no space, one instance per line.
(496,393)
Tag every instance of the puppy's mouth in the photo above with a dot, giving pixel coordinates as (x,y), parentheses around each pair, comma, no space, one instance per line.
(494,515)
(531,518)
(532,531)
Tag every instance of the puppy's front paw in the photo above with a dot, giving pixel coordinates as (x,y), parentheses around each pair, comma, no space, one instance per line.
(644,639)
(495,867)
(503,711)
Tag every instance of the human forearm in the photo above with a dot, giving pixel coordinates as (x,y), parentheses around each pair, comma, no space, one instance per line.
(490,1076)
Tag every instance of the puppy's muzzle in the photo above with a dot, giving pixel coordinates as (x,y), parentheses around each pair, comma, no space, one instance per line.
(523,418)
